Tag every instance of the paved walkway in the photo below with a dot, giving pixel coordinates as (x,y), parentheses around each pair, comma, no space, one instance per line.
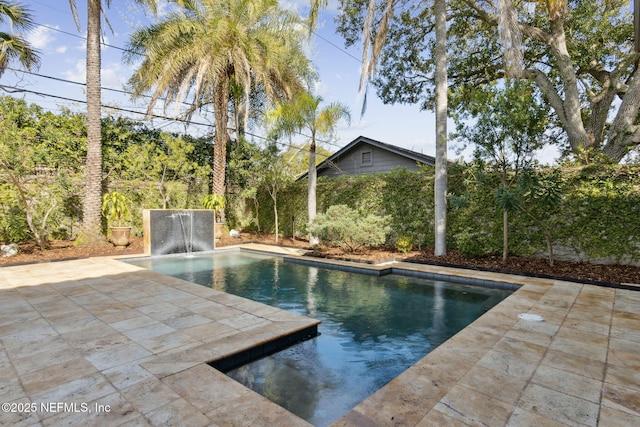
(129,347)
(100,342)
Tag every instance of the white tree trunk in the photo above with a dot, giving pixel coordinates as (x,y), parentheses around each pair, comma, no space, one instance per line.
(623,133)
(505,236)
(275,215)
(311,192)
(440,185)
(586,128)
(636,24)
(579,138)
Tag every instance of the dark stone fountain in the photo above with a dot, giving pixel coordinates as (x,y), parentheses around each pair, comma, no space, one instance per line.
(175,231)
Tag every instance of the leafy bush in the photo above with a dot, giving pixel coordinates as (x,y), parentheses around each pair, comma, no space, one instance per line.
(349,229)
(472,243)
(13,226)
(215,202)
(115,207)
(404,244)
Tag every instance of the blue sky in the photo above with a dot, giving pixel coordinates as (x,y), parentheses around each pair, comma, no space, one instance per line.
(62,51)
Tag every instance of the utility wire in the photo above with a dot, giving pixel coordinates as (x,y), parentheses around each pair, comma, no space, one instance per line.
(68,81)
(83,38)
(330,43)
(102,88)
(11,89)
(157,116)
(14,90)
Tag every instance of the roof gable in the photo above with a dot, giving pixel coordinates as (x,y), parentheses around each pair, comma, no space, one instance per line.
(361,141)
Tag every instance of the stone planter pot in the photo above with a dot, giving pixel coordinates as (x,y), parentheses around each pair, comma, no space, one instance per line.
(120,237)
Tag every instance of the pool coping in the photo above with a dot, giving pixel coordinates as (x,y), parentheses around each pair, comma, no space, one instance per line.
(80,336)
(578,367)
(403,269)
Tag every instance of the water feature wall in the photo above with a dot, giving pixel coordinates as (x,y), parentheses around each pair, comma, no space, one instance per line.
(174,231)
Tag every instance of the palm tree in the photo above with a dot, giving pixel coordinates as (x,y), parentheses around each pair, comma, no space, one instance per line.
(15,47)
(303,114)
(92,203)
(211,46)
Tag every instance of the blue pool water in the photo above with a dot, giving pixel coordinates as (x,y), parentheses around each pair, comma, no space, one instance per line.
(372,329)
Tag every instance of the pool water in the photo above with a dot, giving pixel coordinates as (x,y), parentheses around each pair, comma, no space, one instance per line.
(372,329)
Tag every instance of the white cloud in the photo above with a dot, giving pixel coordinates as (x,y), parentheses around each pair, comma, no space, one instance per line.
(303,6)
(106,41)
(163,8)
(112,75)
(321,89)
(82,45)
(78,73)
(40,37)
(360,124)
(61,49)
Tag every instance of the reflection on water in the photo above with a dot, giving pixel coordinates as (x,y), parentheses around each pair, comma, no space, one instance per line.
(293,382)
(372,329)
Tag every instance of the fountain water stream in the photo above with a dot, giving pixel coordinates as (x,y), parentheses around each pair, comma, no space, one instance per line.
(186,229)
(178,231)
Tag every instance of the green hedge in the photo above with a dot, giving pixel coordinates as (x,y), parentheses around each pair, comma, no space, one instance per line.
(599,215)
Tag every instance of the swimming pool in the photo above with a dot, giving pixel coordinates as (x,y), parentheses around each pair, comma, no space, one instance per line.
(372,329)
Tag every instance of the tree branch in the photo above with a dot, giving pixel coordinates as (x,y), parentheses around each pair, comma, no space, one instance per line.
(548,90)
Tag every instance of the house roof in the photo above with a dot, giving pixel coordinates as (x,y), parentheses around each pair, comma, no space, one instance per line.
(417,157)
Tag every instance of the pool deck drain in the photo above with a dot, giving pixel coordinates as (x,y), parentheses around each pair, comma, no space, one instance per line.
(130,347)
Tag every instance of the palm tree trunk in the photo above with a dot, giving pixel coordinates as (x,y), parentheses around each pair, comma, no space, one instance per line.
(91,210)
(440,184)
(221,104)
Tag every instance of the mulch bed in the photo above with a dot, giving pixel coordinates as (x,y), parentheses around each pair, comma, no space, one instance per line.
(537,267)
(577,271)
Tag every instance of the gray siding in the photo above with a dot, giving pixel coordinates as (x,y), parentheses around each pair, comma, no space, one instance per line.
(351,163)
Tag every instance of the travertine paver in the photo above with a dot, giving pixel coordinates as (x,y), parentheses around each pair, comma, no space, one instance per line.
(577,367)
(111,335)
(101,342)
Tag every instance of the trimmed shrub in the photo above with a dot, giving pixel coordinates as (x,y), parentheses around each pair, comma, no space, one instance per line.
(349,229)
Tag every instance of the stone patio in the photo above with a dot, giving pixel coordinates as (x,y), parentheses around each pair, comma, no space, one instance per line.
(101,342)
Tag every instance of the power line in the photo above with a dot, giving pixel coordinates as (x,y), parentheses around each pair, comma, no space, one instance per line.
(157,116)
(13,90)
(102,88)
(330,43)
(59,79)
(82,37)
(129,93)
